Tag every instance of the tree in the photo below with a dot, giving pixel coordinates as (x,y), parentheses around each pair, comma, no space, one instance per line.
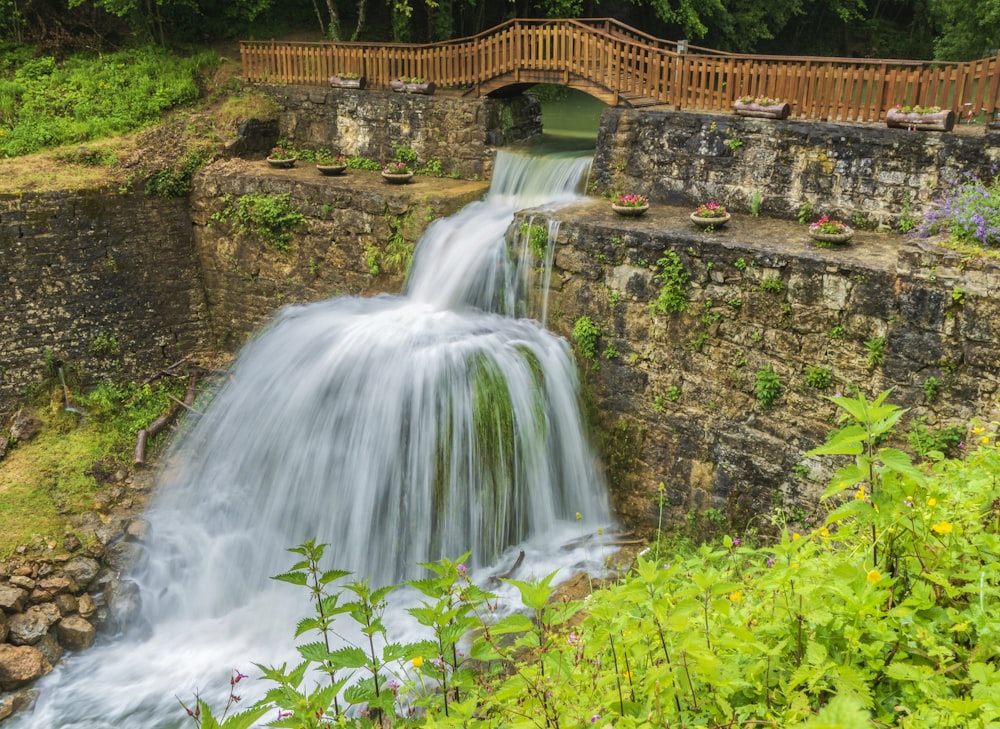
(966,33)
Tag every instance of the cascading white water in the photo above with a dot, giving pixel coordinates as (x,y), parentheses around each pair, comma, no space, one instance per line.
(398,429)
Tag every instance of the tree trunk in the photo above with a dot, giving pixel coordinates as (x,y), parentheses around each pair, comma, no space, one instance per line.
(362,7)
(334,29)
(319,17)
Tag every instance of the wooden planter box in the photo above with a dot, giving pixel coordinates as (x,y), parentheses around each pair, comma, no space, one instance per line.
(762,111)
(347,83)
(936,121)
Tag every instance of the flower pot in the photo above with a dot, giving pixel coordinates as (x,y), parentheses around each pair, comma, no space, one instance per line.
(762,111)
(397,178)
(347,83)
(934,121)
(825,240)
(331,169)
(703,222)
(281,164)
(630,211)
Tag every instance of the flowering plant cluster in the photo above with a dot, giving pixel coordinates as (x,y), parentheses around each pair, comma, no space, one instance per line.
(760,100)
(397,168)
(711,210)
(917,109)
(348,76)
(282,152)
(827,226)
(971,216)
(326,158)
(631,201)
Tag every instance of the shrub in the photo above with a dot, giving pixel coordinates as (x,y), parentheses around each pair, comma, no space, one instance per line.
(673,297)
(586,334)
(767,385)
(819,376)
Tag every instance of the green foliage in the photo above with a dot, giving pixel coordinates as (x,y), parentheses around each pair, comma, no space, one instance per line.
(586,334)
(405,154)
(805,213)
(673,393)
(836,332)
(740,264)
(773,284)
(957,296)
(44,103)
(175,181)
(611,352)
(755,200)
(537,237)
(673,297)
(105,345)
(932,388)
(270,218)
(767,385)
(876,351)
(819,376)
(934,442)
(371,259)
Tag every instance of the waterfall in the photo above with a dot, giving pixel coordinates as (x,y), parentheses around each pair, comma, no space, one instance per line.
(397,429)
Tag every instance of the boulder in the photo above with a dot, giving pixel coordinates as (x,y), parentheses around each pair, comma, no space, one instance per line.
(75,633)
(29,627)
(12,598)
(85,606)
(26,425)
(124,556)
(124,606)
(67,604)
(3,627)
(22,581)
(82,570)
(137,531)
(46,589)
(49,647)
(21,664)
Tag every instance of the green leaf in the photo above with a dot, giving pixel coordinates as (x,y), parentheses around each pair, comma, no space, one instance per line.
(331,575)
(348,657)
(294,578)
(534,595)
(899,462)
(847,441)
(315,652)
(516,623)
(854,507)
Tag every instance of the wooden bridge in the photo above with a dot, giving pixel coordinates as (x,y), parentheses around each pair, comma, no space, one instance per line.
(621,65)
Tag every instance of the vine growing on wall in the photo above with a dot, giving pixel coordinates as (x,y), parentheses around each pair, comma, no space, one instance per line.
(271,219)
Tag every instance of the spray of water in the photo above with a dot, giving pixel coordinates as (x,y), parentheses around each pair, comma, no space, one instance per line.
(397,429)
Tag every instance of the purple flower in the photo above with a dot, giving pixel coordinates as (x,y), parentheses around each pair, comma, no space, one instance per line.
(736,541)
(595,718)
(461,569)
(770,562)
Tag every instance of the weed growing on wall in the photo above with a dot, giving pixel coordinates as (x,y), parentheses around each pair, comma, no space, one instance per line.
(271,219)
(883,614)
(673,296)
(767,385)
(538,239)
(586,334)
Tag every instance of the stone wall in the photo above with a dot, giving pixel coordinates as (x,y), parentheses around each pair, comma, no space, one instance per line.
(879,174)
(358,235)
(455,130)
(675,393)
(105,283)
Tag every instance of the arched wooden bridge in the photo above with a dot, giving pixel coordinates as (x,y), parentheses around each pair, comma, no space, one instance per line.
(621,65)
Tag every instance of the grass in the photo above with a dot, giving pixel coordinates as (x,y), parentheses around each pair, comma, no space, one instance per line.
(58,473)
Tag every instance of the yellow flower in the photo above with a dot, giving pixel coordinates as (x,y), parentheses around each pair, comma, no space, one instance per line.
(736,596)
(942,527)
(932,501)
(824,532)
(977,430)
(874,576)
(418,661)
(859,494)
(795,535)
(985,440)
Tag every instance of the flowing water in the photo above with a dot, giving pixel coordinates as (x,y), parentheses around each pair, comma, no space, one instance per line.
(397,429)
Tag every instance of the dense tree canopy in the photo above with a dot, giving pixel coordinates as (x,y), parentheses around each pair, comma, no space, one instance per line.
(880,28)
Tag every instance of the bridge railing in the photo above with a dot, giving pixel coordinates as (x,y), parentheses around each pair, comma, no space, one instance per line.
(623,65)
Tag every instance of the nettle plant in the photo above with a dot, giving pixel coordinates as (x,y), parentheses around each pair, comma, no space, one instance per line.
(885,614)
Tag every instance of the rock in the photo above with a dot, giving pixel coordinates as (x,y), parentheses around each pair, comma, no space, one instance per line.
(113,530)
(86,606)
(29,627)
(3,627)
(12,598)
(20,665)
(71,543)
(123,556)
(137,531)
(75,633)
(49,647)
(22,581)
(67,604)
(82,570)
(25,426)
(6,706)
(4,445)
(48,588)
(124,605)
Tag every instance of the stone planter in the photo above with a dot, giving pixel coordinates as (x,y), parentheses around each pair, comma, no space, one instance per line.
(762,111)
(281,164)
(331,170)
(410,87)
(630,211)
(347,83)
(703,222)
(397,178)
(935,121)
(827,240)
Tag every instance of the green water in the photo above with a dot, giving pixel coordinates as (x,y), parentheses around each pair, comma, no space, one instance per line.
(570,118)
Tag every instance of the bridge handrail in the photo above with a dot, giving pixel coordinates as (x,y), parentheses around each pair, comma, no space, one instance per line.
(621,64)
